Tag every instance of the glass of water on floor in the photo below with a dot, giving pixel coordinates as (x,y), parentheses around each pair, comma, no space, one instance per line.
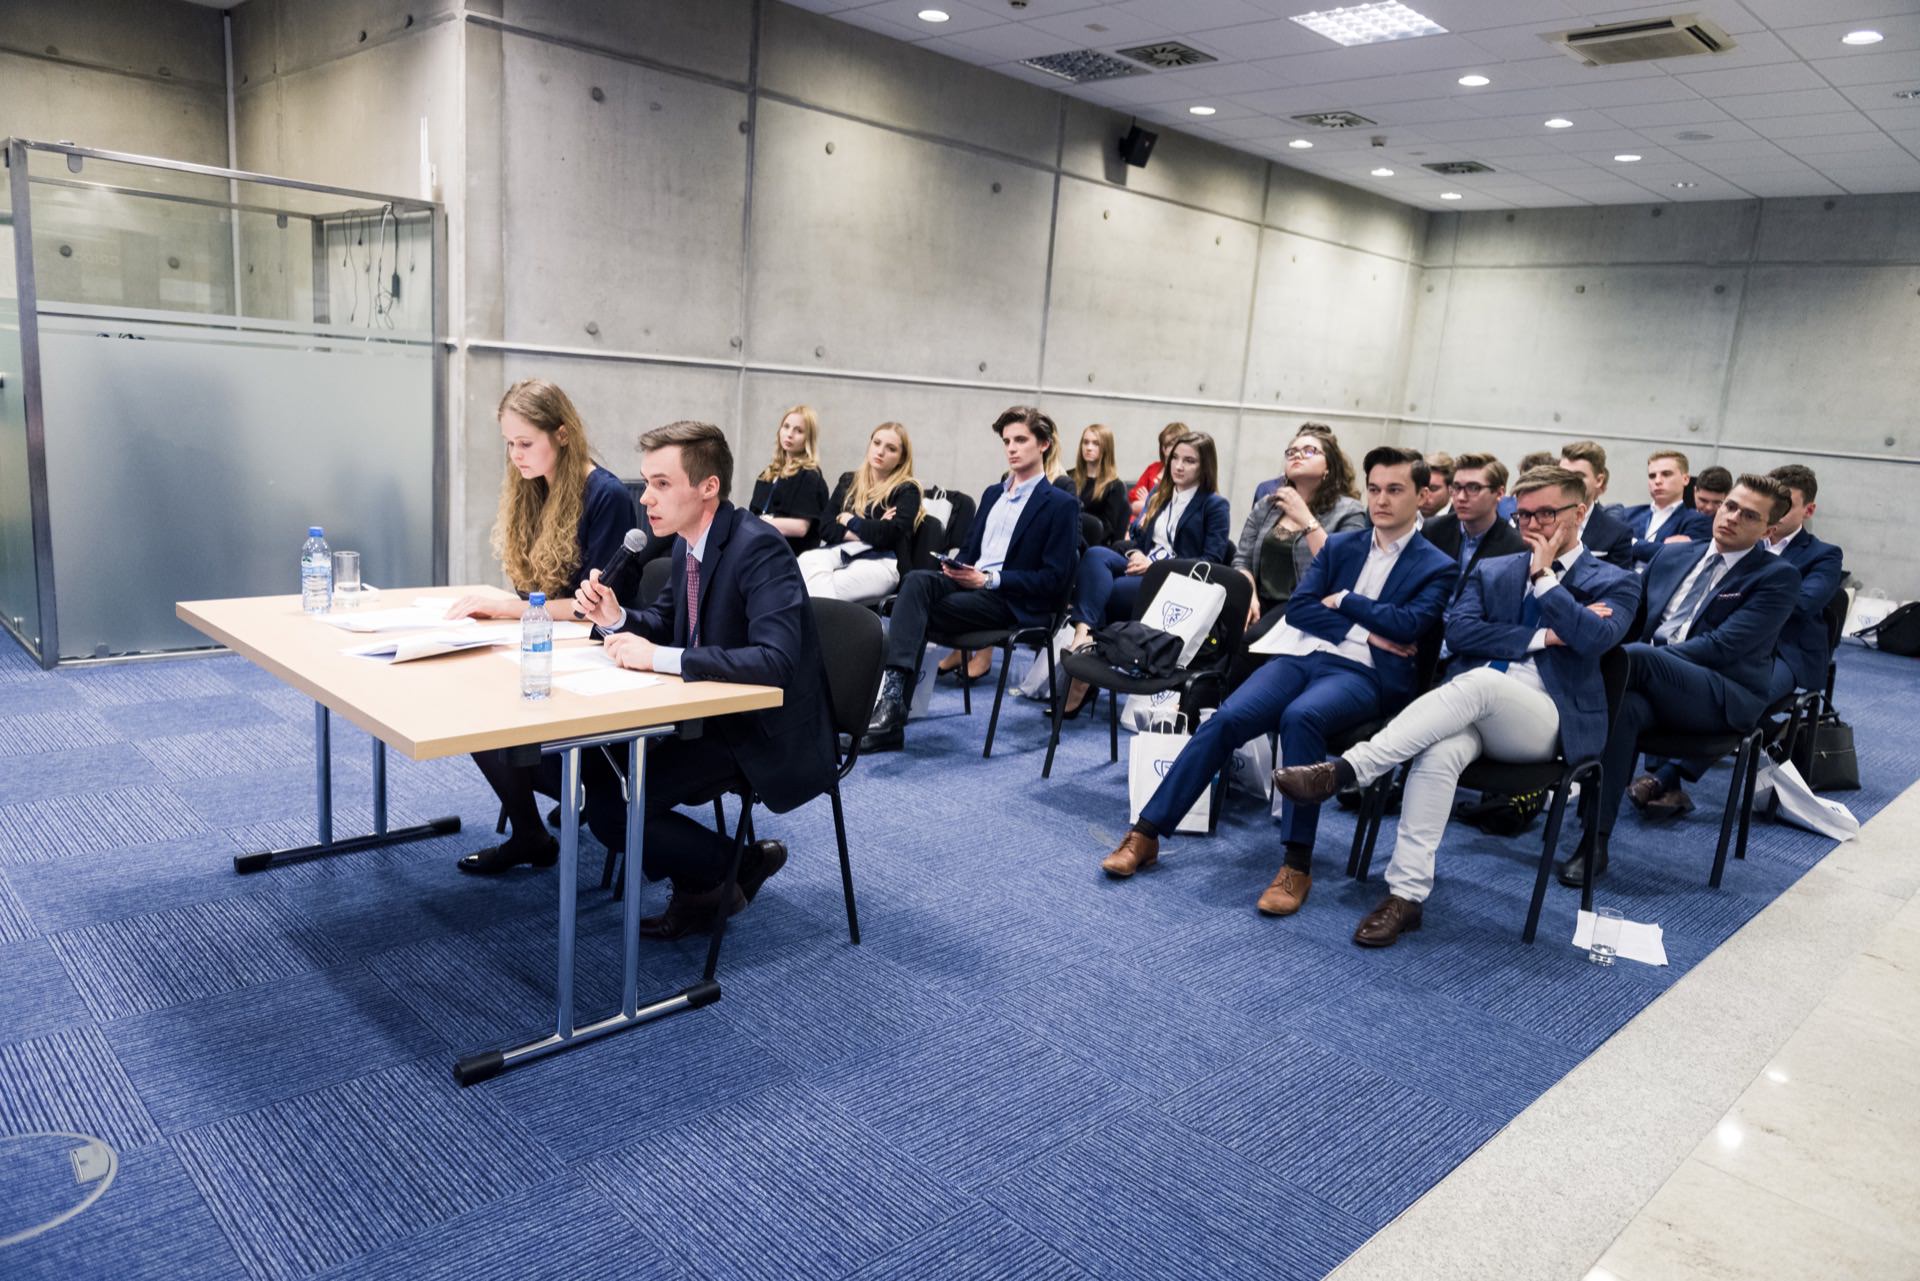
(346,580)
(1605,943)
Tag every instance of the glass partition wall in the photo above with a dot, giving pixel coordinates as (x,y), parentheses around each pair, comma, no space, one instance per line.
(196,365)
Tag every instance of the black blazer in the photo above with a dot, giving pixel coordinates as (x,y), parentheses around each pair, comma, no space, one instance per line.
(802,496)
(1501,539)
(756,627)
(1041,556)
(1205,531)
(887,537)
(1735,632)
(1109,507)
(1803,641)
(1608,538)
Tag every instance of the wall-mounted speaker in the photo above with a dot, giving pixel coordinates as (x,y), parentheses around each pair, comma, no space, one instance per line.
(1137,146)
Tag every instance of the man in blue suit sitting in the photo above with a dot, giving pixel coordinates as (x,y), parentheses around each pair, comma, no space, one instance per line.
(1346,655)
(1668,518)
(1799,658)
(734,609)
(1013,572)
(1602,534)
(1527,633)
(1702,663)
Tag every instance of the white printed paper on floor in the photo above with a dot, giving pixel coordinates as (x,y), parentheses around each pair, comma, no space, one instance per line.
(1643,943)
(611,680)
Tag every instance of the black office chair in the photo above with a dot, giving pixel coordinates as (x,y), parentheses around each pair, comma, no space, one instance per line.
(1557,777)
(1006,640)
(1202,683)
(961,524)
(928,539)
(1745,746)
(1092,532)
(653,577)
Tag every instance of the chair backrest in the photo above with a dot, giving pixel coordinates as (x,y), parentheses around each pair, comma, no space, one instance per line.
(1092,532)
(1613,676)
(962,523)
(1223,642)
(652,578)
(853,645)
(1835,615)
(928,539)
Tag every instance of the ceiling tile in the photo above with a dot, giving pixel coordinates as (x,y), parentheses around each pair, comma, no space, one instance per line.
(1693,112)
(1777,185)
(961,16)
(1393,57)
(1008,42)
(1119,29)
(1273,38)
(1862,146)
(1879,97)
(1780,14)
(1641,90)
(1769,79)
(1878,178)
(1823,41)
(1868,68)
(1765,106)
(1814,126)
(1190,15)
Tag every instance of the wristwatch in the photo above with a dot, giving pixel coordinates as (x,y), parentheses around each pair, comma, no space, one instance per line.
(1539,574)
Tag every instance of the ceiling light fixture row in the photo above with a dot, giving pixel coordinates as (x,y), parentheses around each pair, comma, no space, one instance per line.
(1369,23)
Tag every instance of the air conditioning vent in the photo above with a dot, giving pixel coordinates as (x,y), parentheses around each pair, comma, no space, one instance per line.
(1680,36)
(1333,120)
(1457,167)
(1167,55)
(1082,65)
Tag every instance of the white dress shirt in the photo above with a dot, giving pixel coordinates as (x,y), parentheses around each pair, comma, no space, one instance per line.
(997,535)
(1168,521)
(1657,519)
(1727,561)
(1373,578)
(1526,671)
(666,658)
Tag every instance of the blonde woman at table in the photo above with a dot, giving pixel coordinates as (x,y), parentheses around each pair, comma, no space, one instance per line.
(560,516)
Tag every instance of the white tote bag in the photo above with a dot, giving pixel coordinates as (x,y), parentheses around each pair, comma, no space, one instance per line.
(1144,711)
(941,509)
(1252,768)
(1188,605)
(1795,802)
(1149,758)
(922,701)
(1034,683)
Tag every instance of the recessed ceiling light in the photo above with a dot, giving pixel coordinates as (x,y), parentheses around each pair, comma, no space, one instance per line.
(1684,185)
(934,15)
(1474,82)
(1862,37)
(1301,144)
(1559,122)
(1906,95)
(1450,195)
(1200,111)
(1369,23)
(1383,172)
(1626,157)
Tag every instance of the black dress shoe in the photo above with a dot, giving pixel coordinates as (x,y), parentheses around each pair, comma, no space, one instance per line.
(690,913)
(508,855)
(553,817)
(1573,871)
(759,861)
(891,741)
(890,707)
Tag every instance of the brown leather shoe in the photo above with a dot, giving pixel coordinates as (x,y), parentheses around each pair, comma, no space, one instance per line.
(1307,784)
(1137,852)
(1395,916)
(1671,803)
(1643,790)
(690,913)
(1287,893)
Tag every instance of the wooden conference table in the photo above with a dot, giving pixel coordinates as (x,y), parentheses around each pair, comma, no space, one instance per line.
(469,702)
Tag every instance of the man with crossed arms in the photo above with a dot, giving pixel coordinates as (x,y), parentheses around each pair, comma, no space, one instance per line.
(1528,629)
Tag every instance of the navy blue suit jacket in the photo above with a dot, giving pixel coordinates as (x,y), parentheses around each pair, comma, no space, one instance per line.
(1042,555)
(1444,532)
(1803,641)
(1484,625)
(1410,604)
(1204,532)
(1734,634)
(1608,539)
(1691,521)
(756,627)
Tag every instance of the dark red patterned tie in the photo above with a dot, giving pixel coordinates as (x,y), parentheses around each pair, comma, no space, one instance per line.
(693,601)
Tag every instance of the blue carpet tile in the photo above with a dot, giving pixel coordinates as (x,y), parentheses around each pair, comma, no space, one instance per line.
(1026,1071)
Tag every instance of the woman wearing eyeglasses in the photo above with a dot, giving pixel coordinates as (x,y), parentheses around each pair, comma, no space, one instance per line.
(1314,498)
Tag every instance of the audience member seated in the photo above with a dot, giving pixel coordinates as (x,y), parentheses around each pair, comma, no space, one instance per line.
(733,609)
(1538,458)
(1603,534)
(1014,571)
(560,516)
(1710,615)
(1710,490)
(1667,518)
(1144,487)
(791,494)
(1471,530)
(1527,632)
(1436,497)
(1097,484)
(1348,644)
(1293,516)
(867,545)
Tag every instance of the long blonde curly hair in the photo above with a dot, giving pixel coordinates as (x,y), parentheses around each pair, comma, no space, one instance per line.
(536,534)
(870,487)
(785,464)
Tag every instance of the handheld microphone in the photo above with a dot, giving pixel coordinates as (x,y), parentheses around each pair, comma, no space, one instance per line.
(632,545)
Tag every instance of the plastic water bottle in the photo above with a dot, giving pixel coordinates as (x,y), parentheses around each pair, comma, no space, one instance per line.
(536,649)
(316,573)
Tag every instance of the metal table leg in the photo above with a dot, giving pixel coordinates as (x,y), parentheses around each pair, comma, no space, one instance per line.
(323,807)
(475,1068)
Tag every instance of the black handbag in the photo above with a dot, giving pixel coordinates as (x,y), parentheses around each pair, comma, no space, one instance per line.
(1897,633)
(1832,766)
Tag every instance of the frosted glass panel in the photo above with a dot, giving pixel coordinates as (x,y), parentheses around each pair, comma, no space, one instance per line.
(19,599)
(185,463)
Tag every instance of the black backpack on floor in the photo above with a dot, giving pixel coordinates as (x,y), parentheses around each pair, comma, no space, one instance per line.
(1897,633)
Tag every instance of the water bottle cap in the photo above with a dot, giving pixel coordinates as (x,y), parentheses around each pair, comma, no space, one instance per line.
(314,531)
(537,598)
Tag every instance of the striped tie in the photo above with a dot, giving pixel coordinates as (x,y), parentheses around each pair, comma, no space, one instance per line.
(1675,628)
(693,601)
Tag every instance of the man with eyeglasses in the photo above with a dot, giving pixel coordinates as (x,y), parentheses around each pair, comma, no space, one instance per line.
(1527,633)
(1473,531)
(1437,492)
(1709,619)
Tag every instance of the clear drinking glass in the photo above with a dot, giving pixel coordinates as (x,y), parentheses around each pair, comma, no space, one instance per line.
(1605,943)
(346,580)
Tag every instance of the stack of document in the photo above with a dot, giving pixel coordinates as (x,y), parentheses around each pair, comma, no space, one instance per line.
(457,636)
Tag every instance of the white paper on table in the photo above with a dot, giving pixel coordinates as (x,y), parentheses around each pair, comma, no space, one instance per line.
(405,649)
(441,603)
(392,620)
(1638,942)
(577,658)
(610,680)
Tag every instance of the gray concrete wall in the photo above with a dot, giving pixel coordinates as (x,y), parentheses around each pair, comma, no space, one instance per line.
(1747,333)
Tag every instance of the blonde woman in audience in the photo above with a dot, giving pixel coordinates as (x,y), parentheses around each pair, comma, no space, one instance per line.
(877,509)
(790,493)
(1097,484)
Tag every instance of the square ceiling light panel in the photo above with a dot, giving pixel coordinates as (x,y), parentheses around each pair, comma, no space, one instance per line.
(1369,23)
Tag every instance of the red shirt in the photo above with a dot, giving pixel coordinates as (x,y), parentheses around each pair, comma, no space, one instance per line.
(1144,486)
